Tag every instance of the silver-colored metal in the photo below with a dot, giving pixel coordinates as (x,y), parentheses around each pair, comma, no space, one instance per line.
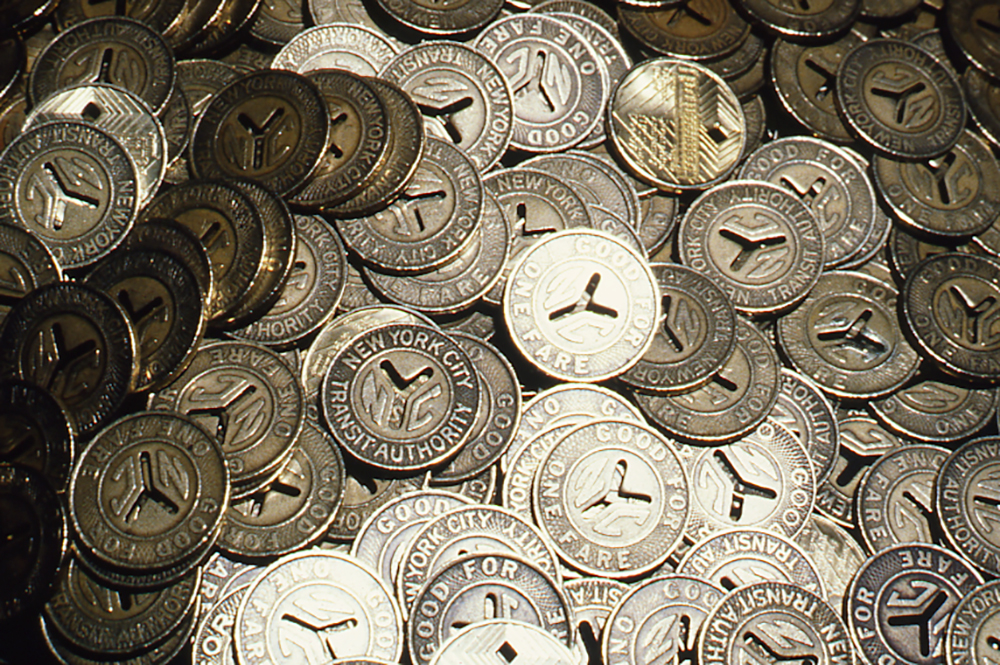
(212,643)
(968,502)
(934,411)
(509,639)
(356,48)
(973,627)
(806,412)
(835,553)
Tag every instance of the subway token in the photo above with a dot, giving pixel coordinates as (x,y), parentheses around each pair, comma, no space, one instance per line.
(359,49)
(983,97)
(806,412)
(967,500)
(341,11)
(218,578)
(810,21)
(13,109)
(969,25)
(277,23)
(657,221)
(36,432)
(177,122)
(972,628)
(28,263)
(906,250)
(592,599)
(934,411)
(835,553)
(708,30)
(478,489)
(170,237)
(516,492)
(509,638)
(212,643)
(442,19)
(363,495)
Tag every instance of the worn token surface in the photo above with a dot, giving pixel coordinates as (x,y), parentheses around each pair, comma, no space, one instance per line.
(809,20)
(27,264)
(509,638)
(434,18)
(35,431)
(973,626)
(676,124)
(363,495)
(967,501)
(212,643)
(581,305)
(935,411)
(806,412)
(171,237)
(708,30)
(835,553)
(951,303)
(612,498)
(969,24)
(358,49)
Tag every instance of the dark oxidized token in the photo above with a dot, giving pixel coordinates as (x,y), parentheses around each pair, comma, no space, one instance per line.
(229,228)
(774,620)
(660,618)
(806,412)
(973,627)
(442,18)
(954,196)
(499,412)
(406,145)
(900,99)
(33,533)
(982,94)
(247,397)
(271,126)
(401,397)
(700,30)
(483,586)
(163,301)
(74,186)
(968,501)
(934,411)
(359,139)
(895,500)
(293,510)
(35,431)
(431,222)
(312,291)
(13,108)
(612,497)
(464,97)
(313,605)
(696,335)
(970,24)
(78,344)
(899,603)
(846,337)
(735,399)
(148,491)
(173,238)
(114,50)
(951,303)
(157,15)
(762,244)
(25,264)
(804,20)
(278,22)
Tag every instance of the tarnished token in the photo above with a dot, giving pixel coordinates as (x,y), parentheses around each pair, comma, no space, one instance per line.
(33,533)
(162,299)
(659,618)
(895,499)
(900,99)
(293,510)
(551,112)
(213,641)
(835,188)
(969,24)
(774,620)
(148,491)
(444,538)
(612,497)
(313,606)
(116,50)
(899,603)
(480,488)
(485,586)
(173,238)
(358,49)
(951,303)
(25,264)
(735,399)
(358,142)
(738,557)
(759,242)
(709,30)
(386,535)
(247,398)
(846,337)
(77,343)
(13,109)
(312,291)
(270,126)
(363,495)
(696,335)
(432,221)
(401,397)
(442,18)
(804,21)
(73,185)
(581,305)
(954,196)
(835,553)
(35,432)
(508,639)
(983,97)
(464,96)
(806,412)
(968,501)
(676,124)
(764,480)
(98,619)
(972,629)
(177,121)
(934,411)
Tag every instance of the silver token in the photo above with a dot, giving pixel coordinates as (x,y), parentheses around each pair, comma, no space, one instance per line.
(509,639)
(218,573)
(313,606)
(934,411)
(363,495)
(612,498)
(213,640)
(581,305)
(552,112)
(356,48)
(834,552)
(806,412)
(516,493)
(968,501)
(974,626)
(592,599)
(478,489)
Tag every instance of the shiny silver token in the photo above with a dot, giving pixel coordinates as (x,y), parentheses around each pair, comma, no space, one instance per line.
(581,305)
(356,48)
(899,603)
(363,495)
(213,640)
(516,492)
(968,501)
(774,620)
(760,243)
(934,411)
(974,626)
(558,81)
(503,638)
(834,552)
(806,412)
(612,497)
(592,599)
(314,606)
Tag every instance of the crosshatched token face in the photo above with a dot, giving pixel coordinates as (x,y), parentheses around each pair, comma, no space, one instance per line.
(676,124)
(582,305)
(613,498)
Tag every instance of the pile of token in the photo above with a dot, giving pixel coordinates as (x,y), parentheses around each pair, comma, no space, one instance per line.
(665,331)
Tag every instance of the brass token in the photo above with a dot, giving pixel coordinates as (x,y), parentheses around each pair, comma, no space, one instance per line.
(175,239)
(809,20)
(25,264)
(278,22)
(35,432)
(442,18)
(695,29)
(359,49)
